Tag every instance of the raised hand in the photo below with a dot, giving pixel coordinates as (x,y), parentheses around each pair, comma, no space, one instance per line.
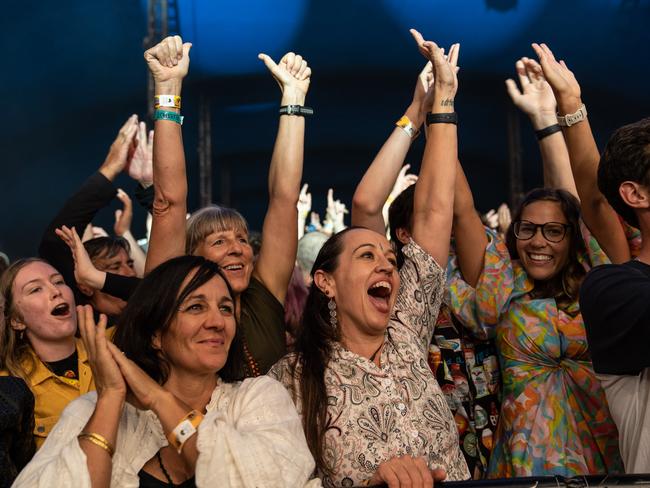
(85,273)
(536,97)
(335,213)
(143,391)
(304,202)
(403,181)
(124,217)
(292,75)
(122,149)
(504,218)
(559,76)
(314,223)
(445,69)
(106,373)
(141,166)
(169,60)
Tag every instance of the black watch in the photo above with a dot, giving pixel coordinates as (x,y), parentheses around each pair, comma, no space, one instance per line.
(444,118)
(296,110)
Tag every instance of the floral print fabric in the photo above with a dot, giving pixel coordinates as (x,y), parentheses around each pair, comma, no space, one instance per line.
(554,417)
(377,413)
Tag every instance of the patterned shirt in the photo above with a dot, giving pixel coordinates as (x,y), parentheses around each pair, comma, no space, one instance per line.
(554,414)
(375,412)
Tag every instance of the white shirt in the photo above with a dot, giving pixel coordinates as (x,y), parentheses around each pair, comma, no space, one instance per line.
(251,436)
(628,397)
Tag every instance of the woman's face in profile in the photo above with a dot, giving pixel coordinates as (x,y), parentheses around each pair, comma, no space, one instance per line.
(202,330)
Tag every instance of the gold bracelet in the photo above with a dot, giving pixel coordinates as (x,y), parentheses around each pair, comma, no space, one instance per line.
(98,440)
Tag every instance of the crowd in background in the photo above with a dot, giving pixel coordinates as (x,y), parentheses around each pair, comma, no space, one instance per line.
(422,342)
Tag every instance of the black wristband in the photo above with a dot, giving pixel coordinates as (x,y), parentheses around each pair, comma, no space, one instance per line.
(444,118)
(547,131)
(295,110)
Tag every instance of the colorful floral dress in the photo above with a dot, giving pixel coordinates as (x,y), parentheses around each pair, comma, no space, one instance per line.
(554,416)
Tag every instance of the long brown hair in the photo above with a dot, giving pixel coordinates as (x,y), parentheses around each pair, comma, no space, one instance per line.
(564,286)
(313,348)
(15,350)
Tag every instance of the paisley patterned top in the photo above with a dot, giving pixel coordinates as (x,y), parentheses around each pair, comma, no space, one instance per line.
(377,413)
(554,414)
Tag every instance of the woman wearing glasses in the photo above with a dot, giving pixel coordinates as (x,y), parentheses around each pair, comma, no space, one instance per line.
(554,416)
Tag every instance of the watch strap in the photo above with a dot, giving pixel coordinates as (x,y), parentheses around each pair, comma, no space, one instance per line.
(296,110)
(442,118)
(571,119)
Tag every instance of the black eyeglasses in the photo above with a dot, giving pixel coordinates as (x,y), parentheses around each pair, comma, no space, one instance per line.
(552,231)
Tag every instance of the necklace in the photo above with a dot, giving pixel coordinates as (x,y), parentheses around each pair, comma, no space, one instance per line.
(162,466)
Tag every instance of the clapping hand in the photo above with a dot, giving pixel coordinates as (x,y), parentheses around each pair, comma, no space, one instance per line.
(122,149)
(85,273)
(536,97)
(141,166)
(124,217)
(559,76)
(445,69)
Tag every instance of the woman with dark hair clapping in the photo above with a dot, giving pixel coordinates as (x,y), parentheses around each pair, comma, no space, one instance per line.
(162,415)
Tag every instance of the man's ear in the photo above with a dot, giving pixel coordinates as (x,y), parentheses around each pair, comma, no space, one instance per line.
(325,283)
(634,194)
(86,290)
(403,235)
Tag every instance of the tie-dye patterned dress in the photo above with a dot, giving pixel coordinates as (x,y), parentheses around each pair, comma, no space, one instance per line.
(554,416)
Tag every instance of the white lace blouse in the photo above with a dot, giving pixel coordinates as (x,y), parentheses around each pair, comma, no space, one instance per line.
(375,412)
(251,436)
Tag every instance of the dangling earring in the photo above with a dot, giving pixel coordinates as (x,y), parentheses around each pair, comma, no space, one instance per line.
(21,334)
(331,305)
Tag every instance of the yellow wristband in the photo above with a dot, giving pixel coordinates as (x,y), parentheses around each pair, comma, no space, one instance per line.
(185,429)
(98,440)
(171,101)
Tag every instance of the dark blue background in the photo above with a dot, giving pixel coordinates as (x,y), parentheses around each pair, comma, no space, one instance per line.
(73,71)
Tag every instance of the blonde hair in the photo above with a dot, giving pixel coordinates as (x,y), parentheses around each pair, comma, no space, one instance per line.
(15,349)
(207,220)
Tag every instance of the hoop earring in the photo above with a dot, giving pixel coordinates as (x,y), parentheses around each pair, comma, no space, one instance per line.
(331,305)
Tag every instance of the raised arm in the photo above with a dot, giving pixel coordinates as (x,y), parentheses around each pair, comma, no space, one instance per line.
(599,216)
(470,237)
(168,62)
(280,234)
(377,183)
(79,210)
(434,192)
(537,101)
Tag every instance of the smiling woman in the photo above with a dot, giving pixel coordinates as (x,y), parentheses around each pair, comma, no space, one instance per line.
(162,414)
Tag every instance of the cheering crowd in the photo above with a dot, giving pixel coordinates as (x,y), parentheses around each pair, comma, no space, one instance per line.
(422,343)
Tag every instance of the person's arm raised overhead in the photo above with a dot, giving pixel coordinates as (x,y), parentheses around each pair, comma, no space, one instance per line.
(377,183)
(434,192)
(279,233)
(168,62)
(537,101)
(599,216)
(122,228)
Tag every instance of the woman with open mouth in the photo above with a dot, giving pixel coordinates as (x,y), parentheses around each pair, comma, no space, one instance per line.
(162,415)
(372,410)
(38,343)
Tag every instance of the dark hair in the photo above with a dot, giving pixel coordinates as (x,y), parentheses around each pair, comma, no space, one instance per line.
(400,216)
(564,287)
(626,158)
(313,348)
(106,247)
(294,301)
(155,303)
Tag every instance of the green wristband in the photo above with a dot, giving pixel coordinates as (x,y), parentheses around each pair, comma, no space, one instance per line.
(168,115)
